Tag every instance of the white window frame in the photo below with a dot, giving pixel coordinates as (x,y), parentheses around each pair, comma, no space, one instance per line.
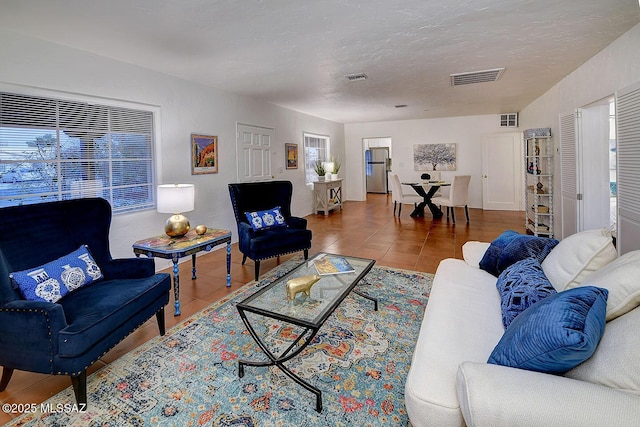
(314,151)
(88,187)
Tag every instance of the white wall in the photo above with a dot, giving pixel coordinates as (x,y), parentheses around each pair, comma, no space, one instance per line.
(185,108)
(465,132)
(613,68)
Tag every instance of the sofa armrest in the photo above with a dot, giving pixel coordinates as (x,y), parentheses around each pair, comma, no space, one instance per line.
(296,222)
(26,329)
(128,268)
(492,395)
(473,251)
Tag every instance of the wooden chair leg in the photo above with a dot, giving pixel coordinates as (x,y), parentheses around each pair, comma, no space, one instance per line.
(80,387)
(257,270)
(466,211)
(399,209)
(394,208)
(6,377)
(453,214)
(306,254)
(160,319)
(244,258)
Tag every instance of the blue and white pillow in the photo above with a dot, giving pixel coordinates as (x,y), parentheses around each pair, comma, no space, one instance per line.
(55,279)
(262,220)
(521,285)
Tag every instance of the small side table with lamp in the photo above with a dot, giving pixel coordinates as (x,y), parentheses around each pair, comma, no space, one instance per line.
(179,240)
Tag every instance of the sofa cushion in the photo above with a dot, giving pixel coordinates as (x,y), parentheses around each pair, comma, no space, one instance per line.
(577,256)
(55,279)
(461,322)
(621,278)
(522,285)
(556,334)
(615,363)
(262,220)
(511,247)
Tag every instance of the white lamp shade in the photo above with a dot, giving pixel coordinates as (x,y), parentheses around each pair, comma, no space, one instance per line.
(176,198)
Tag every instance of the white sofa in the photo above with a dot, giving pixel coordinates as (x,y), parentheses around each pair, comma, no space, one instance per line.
(450,383)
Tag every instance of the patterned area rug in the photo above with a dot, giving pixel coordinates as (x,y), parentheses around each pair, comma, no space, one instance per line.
(189,377)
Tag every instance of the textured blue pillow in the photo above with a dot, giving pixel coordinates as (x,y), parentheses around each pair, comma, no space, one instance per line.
(521,285)
(52,281)
(511,247)
(555,334)
(262,220)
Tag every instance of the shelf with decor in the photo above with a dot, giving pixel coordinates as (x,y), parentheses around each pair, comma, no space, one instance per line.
(538,164)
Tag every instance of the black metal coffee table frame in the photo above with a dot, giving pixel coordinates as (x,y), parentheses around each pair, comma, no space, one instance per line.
(311,327)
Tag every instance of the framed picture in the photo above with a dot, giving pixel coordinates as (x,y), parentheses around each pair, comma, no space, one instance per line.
(434,157)
(204,154)
(291,153)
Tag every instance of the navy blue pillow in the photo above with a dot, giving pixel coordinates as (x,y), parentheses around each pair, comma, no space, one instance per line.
(555,334)
(511,247)
(262,220)
(521,285)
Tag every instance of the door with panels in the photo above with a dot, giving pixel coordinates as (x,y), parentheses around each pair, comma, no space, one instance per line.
(253,152)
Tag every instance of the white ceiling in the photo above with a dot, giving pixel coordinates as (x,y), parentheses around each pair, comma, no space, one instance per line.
(295,53)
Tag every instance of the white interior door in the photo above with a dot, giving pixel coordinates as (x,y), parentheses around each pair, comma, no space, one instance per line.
(628,155)
(253,152)
(502,172)
(570,196)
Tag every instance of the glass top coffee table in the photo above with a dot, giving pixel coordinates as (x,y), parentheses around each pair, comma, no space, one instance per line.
(307,310)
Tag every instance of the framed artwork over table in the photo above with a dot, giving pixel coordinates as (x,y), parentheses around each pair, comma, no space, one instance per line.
(434,157)
(204,154)
(291,153)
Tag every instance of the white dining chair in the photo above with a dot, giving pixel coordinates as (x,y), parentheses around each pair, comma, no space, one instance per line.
(399,197)
(458,196)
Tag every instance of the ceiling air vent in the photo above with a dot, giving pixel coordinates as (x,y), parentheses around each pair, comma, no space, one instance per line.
(356,77)
(476,77)
(509,120)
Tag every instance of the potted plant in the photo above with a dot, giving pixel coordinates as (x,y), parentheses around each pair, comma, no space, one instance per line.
(319,169)
(336,168)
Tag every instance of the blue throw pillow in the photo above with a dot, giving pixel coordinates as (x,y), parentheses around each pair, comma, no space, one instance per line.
(511,247)
(555,334)
(52,281)
(521,285)
(262,220)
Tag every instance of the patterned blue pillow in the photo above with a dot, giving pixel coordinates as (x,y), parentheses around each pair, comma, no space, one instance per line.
(52,281)
(262,220)
(555,334)
(511,247)
(521,285)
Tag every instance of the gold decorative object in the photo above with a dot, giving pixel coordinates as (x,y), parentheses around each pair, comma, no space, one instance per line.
(201,229)
(301,284)
(177,225)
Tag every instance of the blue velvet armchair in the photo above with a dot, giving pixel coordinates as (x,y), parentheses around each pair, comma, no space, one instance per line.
(67,336)
(267,243)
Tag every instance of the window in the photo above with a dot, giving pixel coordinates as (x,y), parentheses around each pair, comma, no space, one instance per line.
(54,149)
(316,147)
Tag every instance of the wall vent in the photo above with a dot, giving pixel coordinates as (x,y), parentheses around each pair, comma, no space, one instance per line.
(476,77)
(356,77)
(509,120)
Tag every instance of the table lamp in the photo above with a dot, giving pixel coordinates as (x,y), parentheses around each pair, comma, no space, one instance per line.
(176,199)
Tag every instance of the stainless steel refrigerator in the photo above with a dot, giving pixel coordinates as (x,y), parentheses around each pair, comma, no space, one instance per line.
(377,166)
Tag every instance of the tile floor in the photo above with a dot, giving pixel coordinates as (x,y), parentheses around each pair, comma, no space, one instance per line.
(365,229)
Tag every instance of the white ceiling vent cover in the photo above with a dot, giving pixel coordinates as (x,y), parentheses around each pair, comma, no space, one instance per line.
(356,77)
(476,77)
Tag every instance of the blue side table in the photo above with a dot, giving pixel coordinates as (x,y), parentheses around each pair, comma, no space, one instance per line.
(174,248)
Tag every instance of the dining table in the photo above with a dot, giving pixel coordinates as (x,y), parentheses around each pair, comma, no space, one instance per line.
(427,189)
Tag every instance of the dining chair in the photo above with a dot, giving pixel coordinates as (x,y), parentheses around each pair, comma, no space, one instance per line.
(399,197)
(458,196)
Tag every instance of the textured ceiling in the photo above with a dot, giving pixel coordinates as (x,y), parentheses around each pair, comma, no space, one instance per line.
(295,53)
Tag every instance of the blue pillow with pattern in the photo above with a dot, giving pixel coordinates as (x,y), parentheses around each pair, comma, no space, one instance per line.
(521,285)
(556,334)
(55,279)
(511,247)
(262,220)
